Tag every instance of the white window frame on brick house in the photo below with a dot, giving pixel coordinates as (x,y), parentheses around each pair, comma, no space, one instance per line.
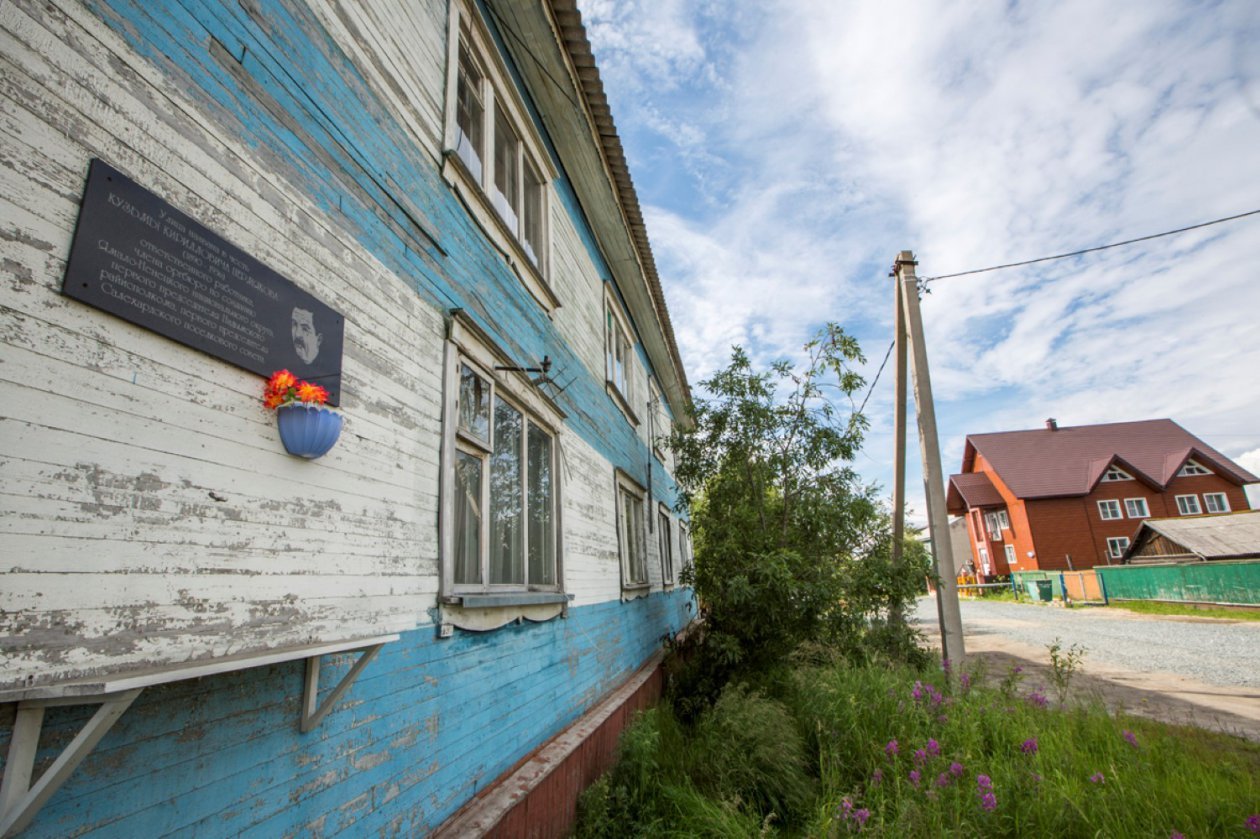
(1115,473)
(620,368)
(1116,546)
(1188,505)
(1109,509)
(1192,469)
(1136,508)
(515,500)
(1217,500)
(631,534)
(493,155)
(665,546)
(1011,558)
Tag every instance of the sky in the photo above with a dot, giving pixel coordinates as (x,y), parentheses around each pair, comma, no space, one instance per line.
(785,152)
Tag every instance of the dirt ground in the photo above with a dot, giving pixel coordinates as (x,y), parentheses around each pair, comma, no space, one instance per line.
(1162,696)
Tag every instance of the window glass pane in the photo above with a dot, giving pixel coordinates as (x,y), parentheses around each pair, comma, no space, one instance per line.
(506,508)
(532,211)
(469,111)
(506,197)
(474,404)
(540,502)
(632,536)
(666,549)
(467,519)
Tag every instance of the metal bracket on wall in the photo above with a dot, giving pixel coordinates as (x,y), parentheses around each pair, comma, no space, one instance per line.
(20,799)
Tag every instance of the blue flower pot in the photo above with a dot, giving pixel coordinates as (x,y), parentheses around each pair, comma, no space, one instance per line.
(308,430)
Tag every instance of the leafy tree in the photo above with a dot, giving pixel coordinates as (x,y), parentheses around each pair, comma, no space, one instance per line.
(790,547)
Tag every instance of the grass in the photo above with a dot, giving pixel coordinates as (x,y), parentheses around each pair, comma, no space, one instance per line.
(1150,607)
(829,751)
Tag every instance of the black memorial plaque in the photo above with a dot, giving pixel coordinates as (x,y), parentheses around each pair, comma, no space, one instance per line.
(137,257)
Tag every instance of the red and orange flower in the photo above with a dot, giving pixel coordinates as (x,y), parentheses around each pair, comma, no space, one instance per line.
(284,388)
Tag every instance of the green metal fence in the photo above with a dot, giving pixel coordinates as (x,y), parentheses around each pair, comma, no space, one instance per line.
(1198,582)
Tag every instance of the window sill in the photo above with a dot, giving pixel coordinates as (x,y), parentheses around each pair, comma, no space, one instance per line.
(633,591)
(515,598)
(622,403)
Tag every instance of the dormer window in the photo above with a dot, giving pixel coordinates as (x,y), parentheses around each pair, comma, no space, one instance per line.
(1115,473)
(1191,469)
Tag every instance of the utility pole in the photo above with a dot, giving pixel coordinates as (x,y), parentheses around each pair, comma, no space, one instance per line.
(899,439)
(909,327)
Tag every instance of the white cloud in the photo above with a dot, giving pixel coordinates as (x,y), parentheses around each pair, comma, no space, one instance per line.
(791,150)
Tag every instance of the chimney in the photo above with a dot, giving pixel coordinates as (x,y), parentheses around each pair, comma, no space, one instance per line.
(1052,424)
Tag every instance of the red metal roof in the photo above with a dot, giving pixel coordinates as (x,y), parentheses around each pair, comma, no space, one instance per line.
(1065,461)
(971,490)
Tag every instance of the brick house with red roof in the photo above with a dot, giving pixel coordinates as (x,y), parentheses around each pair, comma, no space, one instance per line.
(1064,498)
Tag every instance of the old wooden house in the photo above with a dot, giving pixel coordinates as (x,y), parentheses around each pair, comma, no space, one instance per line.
(422,206)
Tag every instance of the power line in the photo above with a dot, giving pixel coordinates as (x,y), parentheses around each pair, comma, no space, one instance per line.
(1092,250)
(878,373)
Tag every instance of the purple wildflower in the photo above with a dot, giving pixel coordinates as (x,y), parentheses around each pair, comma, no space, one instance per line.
(845,809)
(946,666)
(1253,823)
(942,719)
(956,769)
(1036,778)
(1038,699)
(1131,738)
(920,756)
(877,777)
(984,783)
(1097,778)
(1176,834)
(988,801)
(1030,746)
(965,681)
(916,693)
(915,777)
(933,747)
(943,779)
(860,816)
(892,748)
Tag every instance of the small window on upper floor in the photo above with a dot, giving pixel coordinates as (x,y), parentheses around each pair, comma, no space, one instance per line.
(661,424)
(1115,473)
(1136,508)
(1109,509)
(619,358)
(503,168)
(1191,469)
(1188,505)
(1216,502)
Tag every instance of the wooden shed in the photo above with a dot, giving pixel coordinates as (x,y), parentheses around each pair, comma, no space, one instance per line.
(1196,539)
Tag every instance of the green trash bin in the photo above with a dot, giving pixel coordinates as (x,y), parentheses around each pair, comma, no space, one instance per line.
(1045,590)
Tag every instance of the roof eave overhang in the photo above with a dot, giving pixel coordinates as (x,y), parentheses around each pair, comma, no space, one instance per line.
(553,56)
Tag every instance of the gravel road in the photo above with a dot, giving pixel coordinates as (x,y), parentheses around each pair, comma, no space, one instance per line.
(1216,652)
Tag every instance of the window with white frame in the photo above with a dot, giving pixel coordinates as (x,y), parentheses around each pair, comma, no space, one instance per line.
(1110,509)
(665,545)
(996,523)
(1216,502)
(1010,555)
(661,425)
(619,357)
(1135,508)
(684,546)
(501,482)
(1116,546)
(630,533)
(1115,473)
(1191,469)
(489,131)
(1188,505)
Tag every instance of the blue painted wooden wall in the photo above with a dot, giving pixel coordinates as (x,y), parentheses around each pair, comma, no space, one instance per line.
(427,725)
